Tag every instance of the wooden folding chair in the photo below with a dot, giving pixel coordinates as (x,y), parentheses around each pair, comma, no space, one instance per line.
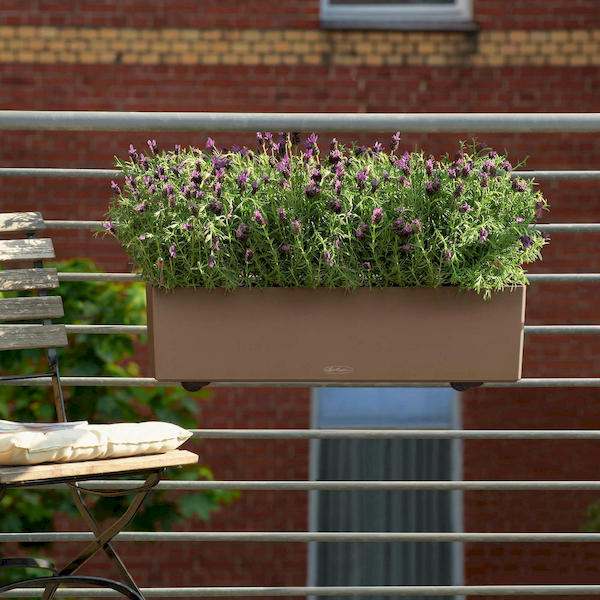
(48,336)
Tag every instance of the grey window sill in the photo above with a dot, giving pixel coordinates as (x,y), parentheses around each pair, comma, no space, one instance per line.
(362,24)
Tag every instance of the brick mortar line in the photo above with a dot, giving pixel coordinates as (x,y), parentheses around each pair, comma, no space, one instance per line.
(48,45)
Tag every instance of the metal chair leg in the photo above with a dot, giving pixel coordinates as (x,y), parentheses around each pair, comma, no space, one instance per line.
(59,580)
(103,538)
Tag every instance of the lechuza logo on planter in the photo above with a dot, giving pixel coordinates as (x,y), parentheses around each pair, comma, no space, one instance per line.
(338,370)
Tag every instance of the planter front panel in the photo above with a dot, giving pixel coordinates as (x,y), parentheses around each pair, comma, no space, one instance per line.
(281,334)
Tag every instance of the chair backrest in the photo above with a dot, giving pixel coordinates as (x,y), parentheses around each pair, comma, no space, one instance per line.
(19,336)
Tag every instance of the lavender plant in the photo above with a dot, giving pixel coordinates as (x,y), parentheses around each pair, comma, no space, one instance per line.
(291,215)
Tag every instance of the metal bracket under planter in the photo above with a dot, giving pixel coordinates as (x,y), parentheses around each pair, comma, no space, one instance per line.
(194,386)
(463,386)
(319,336)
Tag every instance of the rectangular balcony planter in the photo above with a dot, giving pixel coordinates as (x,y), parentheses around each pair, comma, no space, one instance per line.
(307,335)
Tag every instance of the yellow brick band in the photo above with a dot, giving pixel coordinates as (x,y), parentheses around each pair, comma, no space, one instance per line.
(298,47)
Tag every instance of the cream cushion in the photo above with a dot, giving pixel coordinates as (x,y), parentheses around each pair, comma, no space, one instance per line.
(90,442)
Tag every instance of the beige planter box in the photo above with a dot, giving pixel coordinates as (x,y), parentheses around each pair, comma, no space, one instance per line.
(306,335)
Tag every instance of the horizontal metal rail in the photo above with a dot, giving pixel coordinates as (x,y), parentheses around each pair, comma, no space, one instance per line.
(53,120)
(579,382)
(303,537)
(303,486)
(547,227)
(115,173)
(529,329)
(373,590)
(136,278)
(382,434)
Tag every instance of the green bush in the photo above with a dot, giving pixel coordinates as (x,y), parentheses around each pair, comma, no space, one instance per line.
(287,217)
(100,356)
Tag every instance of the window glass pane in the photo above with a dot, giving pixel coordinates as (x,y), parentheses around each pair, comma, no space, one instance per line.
(385,407)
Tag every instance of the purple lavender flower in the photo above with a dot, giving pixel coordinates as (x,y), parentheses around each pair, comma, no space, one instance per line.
(335,157)
(367,265)
(160,172)
(266,178)
(484,179)
(255,186)
(284,184)
(218,189)
(242,180)
(215,206)
(210,144)
(173,252)
(447,256)
(506,166)
(334,146)
(221,162)
(362,229)
(459,189)
(385,176)
(416,225)
(172,201)
(308,154)
(269,138)
(398,226)
(335,205)
(466,170)
(405,166)
(374,185)
(316,175)
(243,232)
(133,154)
(199,194)
(433,187)
(360,150)
(406,247)
(404,181)
(153,147)
(260,138)
(211,261)
(361,177)
(311,142)
(483,235)
(188,227)
(216,245)
(143,206)
(312,190)
(451,173)
(395,142)
(377,216)
(327,258)
(152,190)
(337,187)
(526,241)
(336,242)
(193,209)
(519,220)
(281,214)
(464,208)
(296,227)
(196,177)
(185,190)
(167,190)
(249,255)
(545,235)
(258,218)
(144,162)
(493,154)
(115,188)
(108,225)
(141,237)
(429,168)
(377,147)
(285,248)
(519,185)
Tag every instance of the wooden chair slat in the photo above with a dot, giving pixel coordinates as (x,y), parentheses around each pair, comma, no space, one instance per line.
(94,468)
(39,307)
(30,249)
(21,221)
(21,337)
(14,280)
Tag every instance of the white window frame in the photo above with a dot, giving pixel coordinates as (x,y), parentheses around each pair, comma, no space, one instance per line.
(456,495)
(411,16)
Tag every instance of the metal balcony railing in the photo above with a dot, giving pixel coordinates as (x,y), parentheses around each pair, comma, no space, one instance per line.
(334,123)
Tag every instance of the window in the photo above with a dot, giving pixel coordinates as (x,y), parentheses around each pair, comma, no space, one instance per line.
(397,14)
(385,563)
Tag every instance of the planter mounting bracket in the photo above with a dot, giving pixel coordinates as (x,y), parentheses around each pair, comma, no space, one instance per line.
(464,386)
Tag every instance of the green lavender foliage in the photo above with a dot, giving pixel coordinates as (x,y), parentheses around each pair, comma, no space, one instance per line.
(312,222)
